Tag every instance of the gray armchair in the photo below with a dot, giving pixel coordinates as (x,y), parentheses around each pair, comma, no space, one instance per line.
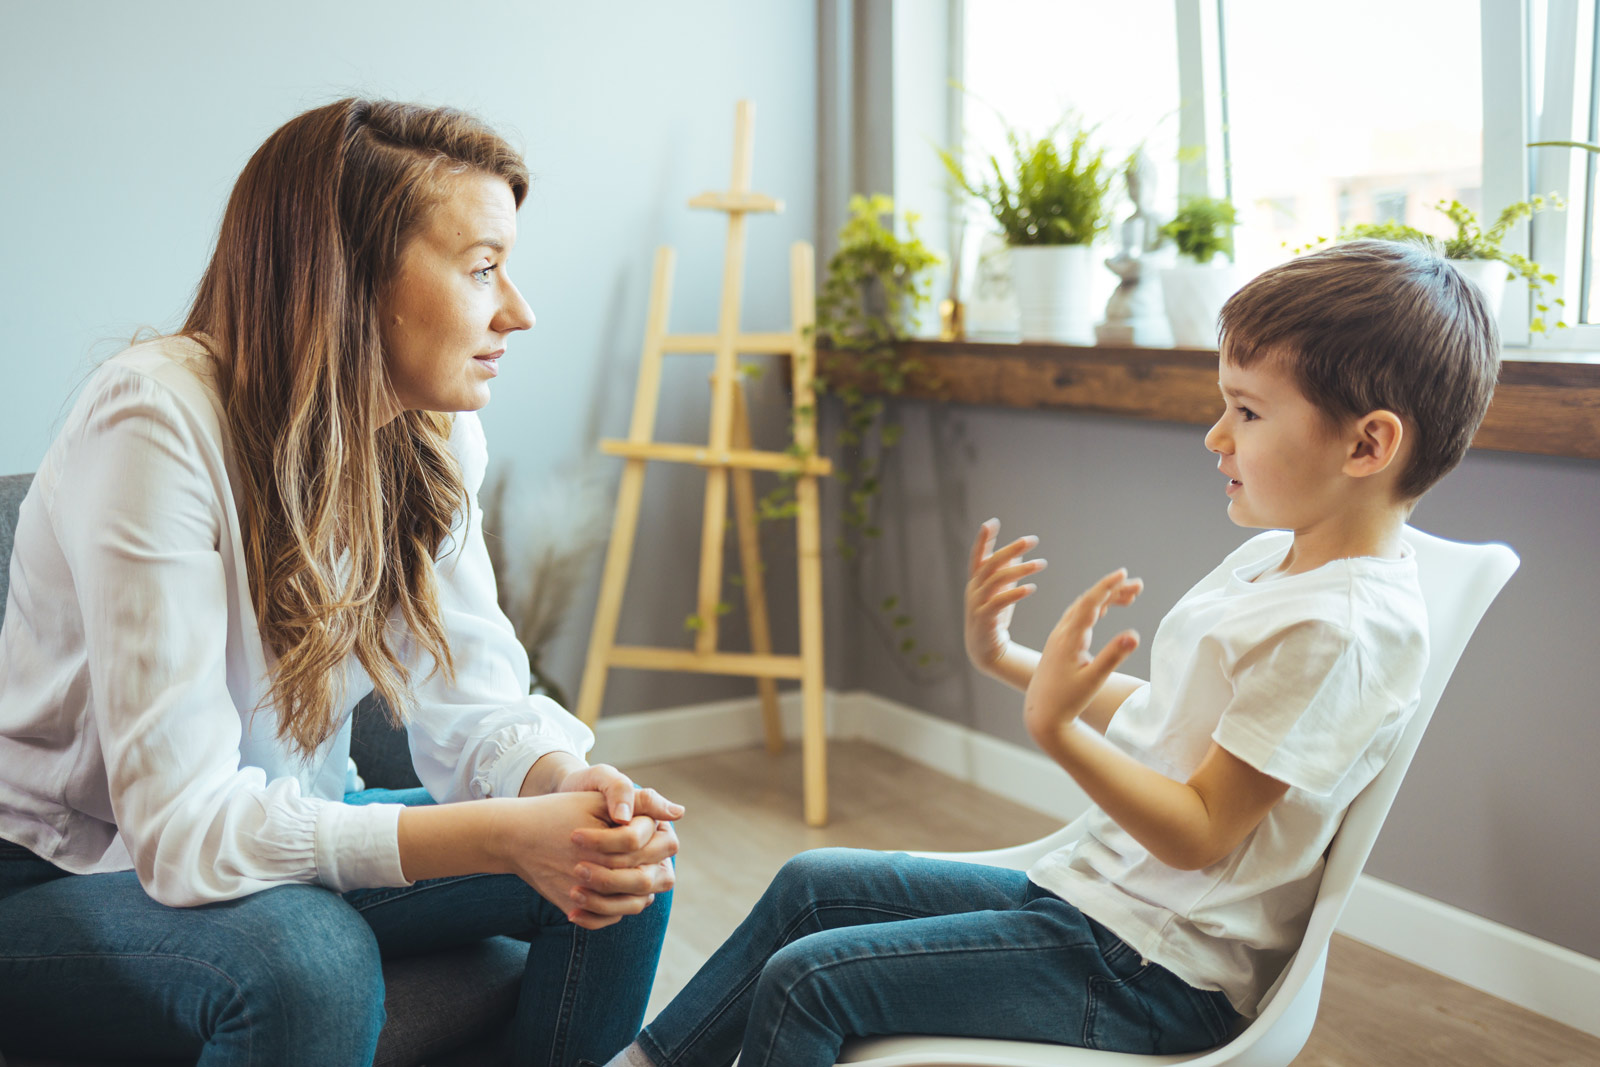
(447,1009)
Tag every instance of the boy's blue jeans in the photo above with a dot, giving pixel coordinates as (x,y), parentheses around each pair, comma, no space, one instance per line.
(91,966)
(851,943)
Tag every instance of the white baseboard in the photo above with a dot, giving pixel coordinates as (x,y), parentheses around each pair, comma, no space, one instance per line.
(1543,977)
(1546,978)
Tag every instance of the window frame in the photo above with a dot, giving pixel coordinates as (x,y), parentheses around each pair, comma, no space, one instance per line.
(1512,171)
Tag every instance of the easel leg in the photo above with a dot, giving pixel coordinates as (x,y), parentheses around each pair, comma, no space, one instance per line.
(612,583)
(814,727)
(755,585)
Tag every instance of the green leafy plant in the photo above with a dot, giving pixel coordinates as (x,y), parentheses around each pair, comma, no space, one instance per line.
(1471,241)
(1049,198)
(1203,227)
(875,284)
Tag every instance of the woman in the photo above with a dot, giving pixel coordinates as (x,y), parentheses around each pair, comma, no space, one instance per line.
(241,530)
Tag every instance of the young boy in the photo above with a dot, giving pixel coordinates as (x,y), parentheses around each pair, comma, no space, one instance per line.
(1353,380)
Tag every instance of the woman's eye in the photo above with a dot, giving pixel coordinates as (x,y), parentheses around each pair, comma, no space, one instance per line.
(482,274)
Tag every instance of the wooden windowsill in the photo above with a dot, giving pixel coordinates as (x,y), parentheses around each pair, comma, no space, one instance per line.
(1543,407)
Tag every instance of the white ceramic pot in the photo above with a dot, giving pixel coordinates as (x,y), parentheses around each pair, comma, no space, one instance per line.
(1489,275)
(1052,287)
(1194,294)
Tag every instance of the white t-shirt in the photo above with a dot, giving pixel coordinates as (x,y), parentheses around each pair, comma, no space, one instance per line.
(1309,678)
(130,664)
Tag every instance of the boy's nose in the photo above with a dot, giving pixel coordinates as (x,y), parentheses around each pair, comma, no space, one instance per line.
(1216,440)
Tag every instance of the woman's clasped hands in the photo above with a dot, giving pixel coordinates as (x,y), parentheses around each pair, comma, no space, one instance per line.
(596,845)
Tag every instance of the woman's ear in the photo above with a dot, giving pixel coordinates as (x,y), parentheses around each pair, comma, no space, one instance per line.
(1376,442)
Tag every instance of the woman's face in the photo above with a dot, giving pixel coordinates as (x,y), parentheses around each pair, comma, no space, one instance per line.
(451,305)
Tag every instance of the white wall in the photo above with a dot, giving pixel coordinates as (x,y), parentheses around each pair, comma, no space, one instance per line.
(125,125)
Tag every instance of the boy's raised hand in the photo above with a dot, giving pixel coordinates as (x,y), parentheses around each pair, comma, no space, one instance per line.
(993,592)
(1068,676)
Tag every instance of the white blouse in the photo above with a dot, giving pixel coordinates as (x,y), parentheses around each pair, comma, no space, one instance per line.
(131,666)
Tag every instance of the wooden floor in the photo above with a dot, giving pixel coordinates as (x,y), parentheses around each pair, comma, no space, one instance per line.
(744,821)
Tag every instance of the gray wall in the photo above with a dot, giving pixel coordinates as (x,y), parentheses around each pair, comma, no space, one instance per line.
(1498,813)
(126,124)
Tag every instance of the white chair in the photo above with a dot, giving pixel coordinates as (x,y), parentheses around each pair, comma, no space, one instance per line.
(1459,582)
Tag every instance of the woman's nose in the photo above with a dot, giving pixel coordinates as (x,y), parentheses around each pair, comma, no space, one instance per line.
(515,314)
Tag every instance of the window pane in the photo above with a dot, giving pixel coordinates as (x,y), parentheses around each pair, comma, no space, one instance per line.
(1029,62)
(1365,111)
(1587,107)
(1032,61)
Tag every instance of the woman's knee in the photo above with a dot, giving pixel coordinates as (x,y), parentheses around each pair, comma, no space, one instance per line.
(307,958)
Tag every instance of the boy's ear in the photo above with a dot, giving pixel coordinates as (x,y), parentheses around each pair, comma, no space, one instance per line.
(1375,443)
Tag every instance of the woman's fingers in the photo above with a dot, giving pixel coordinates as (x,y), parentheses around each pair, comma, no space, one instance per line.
(626,881)
(661,844)
(649,802)
(612,907)
(617,840)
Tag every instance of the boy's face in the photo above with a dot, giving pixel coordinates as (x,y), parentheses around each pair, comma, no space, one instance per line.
(1283,458)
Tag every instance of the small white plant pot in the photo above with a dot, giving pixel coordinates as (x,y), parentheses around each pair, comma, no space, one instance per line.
(1052,284)
(1194,294)
(1489,275)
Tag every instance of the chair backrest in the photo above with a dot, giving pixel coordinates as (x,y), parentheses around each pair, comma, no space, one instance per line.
(1459,582)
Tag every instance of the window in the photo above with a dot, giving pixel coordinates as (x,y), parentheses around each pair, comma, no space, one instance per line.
(1564,43)
(1312,117)
(1364,111)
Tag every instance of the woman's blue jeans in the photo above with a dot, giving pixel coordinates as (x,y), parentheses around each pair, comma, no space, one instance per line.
(848,943)
(91,966)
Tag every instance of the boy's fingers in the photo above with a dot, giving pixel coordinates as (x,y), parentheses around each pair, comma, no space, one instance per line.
(1007,597)
(1001,579)
(980,548)
(1001,557)
(1117,649)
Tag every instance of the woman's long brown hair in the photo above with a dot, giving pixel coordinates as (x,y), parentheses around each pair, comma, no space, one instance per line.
(343,512)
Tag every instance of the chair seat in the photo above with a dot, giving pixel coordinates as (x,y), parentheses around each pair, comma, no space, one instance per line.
(447,1009)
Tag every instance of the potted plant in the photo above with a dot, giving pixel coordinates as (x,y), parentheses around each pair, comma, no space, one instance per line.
(1477,252)
(1050,210)
(1195,288)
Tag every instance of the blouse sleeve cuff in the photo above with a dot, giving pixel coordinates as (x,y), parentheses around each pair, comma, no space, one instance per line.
(358,846)
(519,749)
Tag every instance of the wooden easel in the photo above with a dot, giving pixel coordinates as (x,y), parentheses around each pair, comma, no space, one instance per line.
(727,456)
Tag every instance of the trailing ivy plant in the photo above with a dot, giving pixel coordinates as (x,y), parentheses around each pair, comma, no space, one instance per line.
(875,283)
(1471,241)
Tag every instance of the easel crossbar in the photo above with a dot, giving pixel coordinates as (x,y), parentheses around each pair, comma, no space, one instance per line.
(746,664)
(750,344)
(702,456)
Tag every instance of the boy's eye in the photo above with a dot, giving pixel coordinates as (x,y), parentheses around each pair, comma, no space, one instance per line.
(483,273)
(1249,416)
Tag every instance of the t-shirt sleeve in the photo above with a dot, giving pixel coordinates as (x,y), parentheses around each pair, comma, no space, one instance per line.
(1304,709)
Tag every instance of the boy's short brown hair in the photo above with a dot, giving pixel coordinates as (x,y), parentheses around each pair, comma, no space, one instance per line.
(1370,325)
